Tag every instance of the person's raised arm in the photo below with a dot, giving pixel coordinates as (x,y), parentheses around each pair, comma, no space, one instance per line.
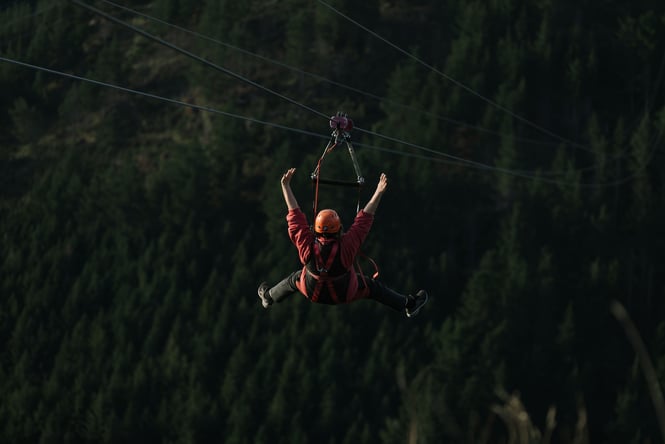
(373,203)
(289,197)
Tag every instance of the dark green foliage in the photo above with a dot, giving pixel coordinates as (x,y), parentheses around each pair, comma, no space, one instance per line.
(134,232)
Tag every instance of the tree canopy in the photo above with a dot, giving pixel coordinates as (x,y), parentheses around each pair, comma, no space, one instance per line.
(140,208)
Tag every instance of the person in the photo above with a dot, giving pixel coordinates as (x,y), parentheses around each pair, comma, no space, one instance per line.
(327,254)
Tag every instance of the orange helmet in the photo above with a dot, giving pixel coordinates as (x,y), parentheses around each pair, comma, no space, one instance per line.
(327,222)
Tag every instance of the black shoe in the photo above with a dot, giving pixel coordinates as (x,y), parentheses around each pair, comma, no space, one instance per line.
(264,295)
(415,303)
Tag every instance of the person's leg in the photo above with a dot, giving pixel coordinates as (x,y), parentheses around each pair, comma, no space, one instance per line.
(285,288)
(387,296)
(381,293)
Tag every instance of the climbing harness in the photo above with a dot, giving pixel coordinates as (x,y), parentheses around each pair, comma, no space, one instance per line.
(322,275)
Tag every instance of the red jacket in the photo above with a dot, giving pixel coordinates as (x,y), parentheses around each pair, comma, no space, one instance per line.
(349,244)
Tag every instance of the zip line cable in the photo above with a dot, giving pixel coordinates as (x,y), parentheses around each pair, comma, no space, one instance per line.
(244,79)
(454,158)
(224,113)
(166,99)
(454,161)
(196,57)
(216,111)
(323,79)
(457,160)
(454,81)
(530,174)
(472,91)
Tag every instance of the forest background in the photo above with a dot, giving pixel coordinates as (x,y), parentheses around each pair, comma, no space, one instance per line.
(523,141)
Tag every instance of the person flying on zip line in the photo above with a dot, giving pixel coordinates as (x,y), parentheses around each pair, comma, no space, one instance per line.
(328,254)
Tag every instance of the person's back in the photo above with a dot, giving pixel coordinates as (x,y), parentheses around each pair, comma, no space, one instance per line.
(327,254)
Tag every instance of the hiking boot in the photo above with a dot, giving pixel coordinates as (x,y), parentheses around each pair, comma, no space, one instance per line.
(264,295)
(415,303)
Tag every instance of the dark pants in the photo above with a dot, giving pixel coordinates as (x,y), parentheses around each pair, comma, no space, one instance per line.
(378,291)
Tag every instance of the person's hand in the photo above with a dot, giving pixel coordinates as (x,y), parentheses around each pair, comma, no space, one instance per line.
(383,183)
(286,177)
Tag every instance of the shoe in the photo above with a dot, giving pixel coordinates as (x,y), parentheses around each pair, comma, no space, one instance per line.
(415,303)
(264,295)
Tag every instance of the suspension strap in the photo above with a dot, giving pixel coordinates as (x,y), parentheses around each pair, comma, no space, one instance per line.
(316,176)
(341,126)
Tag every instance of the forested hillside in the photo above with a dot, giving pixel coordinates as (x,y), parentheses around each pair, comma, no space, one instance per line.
(140,208)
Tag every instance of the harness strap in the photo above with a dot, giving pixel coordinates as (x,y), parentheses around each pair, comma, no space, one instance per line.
(316,175)
(360,270)
(323,276)
(376,267)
